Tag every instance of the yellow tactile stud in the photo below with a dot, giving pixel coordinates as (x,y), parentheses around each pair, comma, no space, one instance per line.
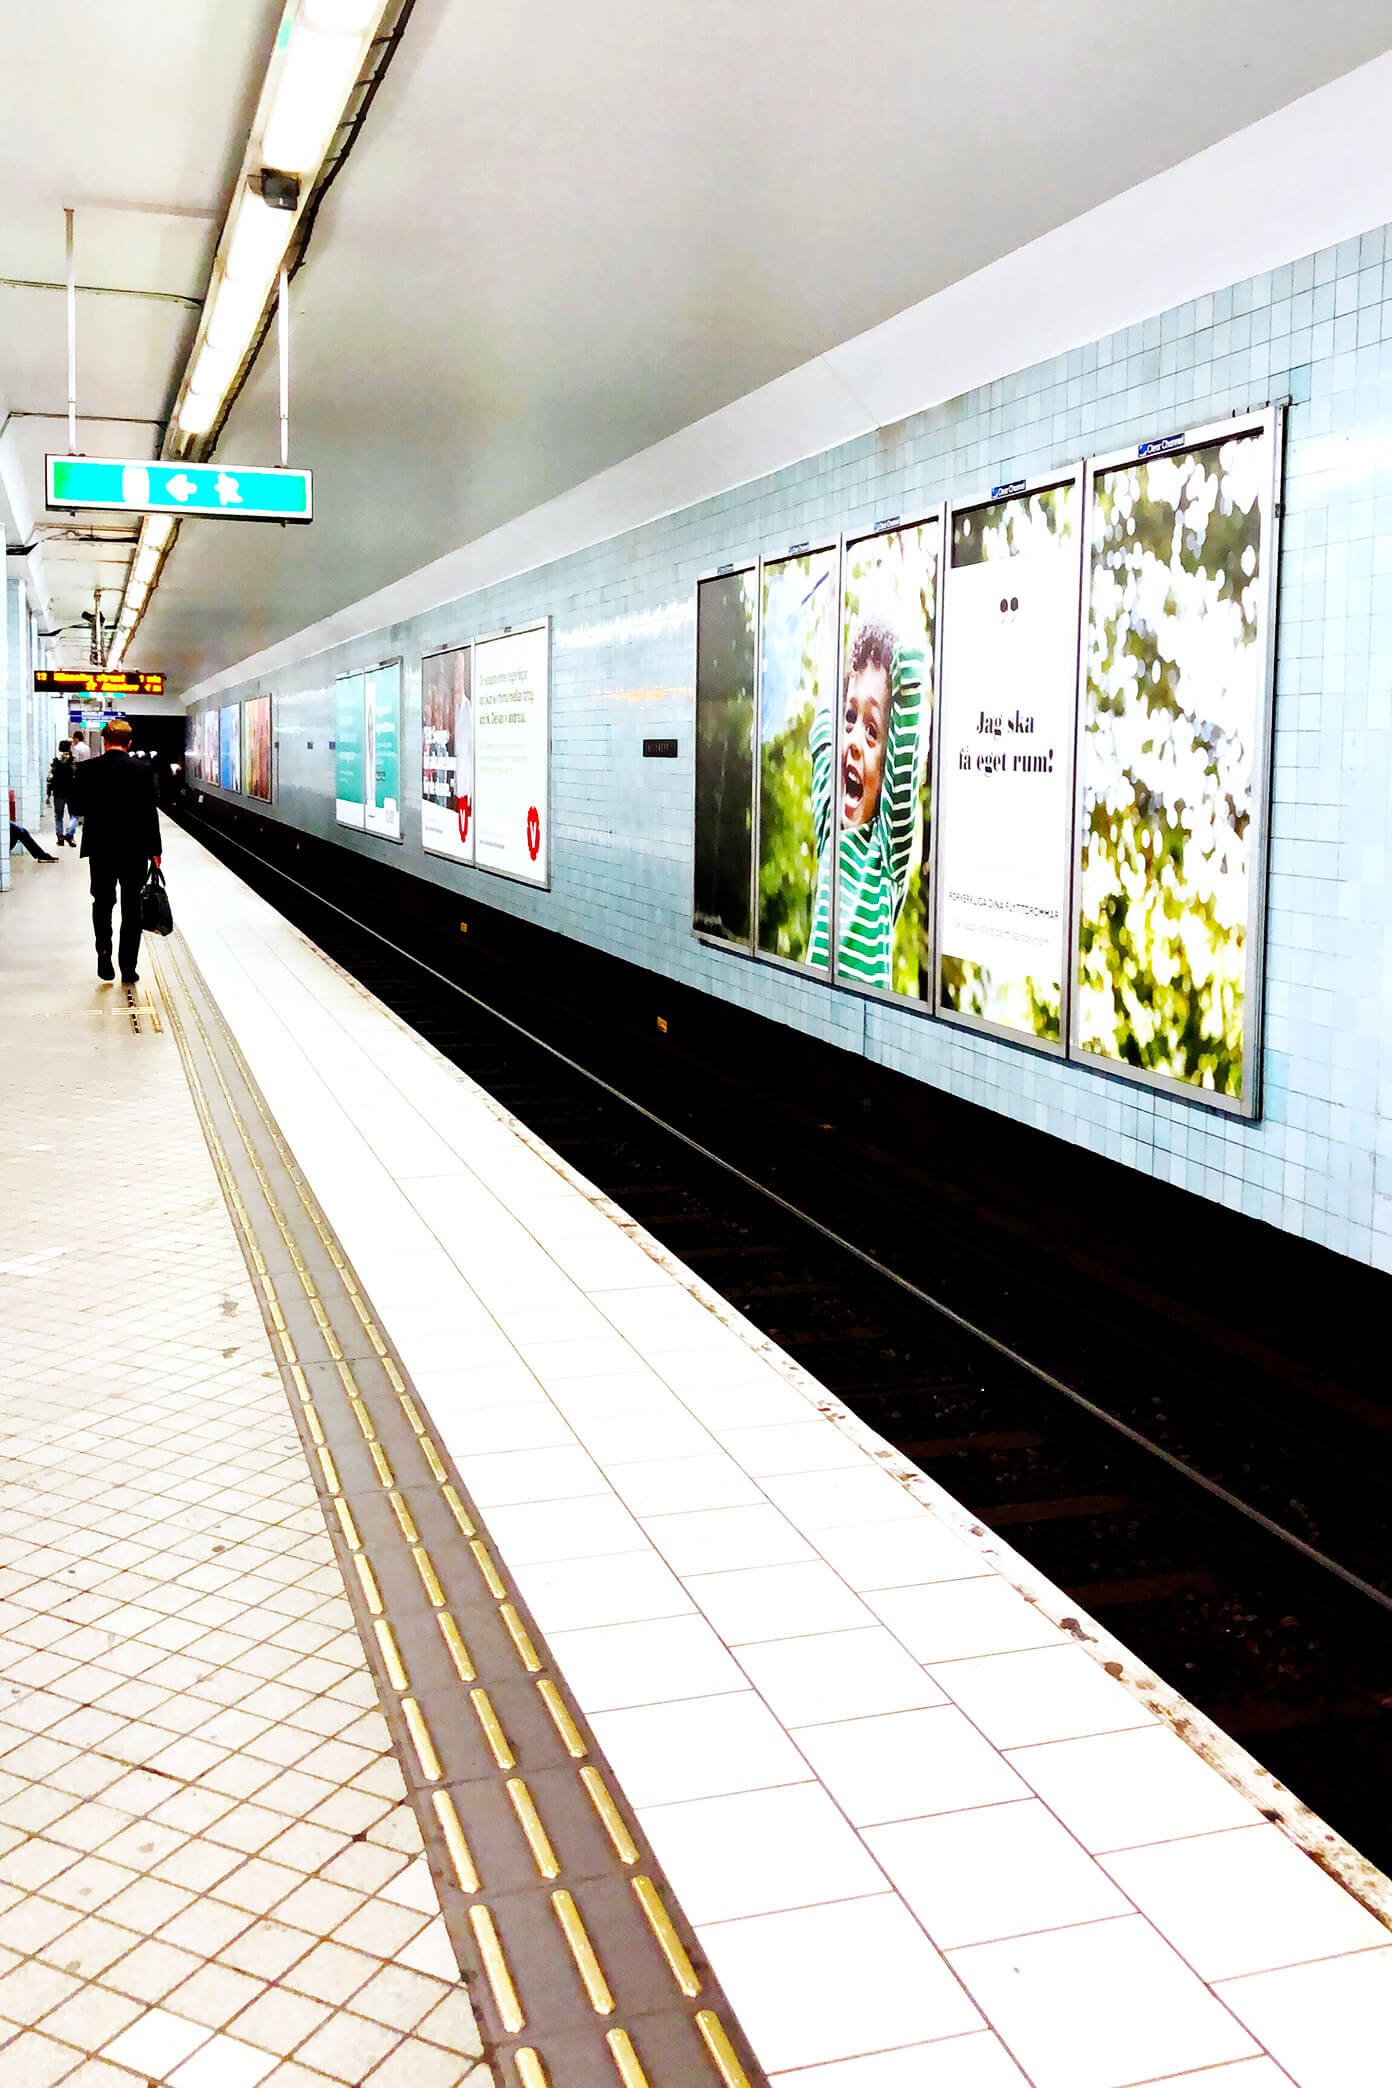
(421,1740)
(391,1653)
(663,1927)
(624,1845)
(571,1736)
(720,2048)
(492,1729)
(583,1951)
(461,1855)
(529,1819)
(496,1966)
(458,1651)
(626,2059)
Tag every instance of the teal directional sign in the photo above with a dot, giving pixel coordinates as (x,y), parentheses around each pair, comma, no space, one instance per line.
(260,493)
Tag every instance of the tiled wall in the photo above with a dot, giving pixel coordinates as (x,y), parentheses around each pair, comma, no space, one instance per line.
(1319,333)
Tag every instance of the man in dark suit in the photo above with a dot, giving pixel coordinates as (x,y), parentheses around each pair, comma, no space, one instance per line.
(120,839)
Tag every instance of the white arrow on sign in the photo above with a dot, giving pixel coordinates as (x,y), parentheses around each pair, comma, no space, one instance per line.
(182,487)
(228,491)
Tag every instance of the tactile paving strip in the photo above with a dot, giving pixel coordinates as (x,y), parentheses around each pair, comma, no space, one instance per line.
(581,1968)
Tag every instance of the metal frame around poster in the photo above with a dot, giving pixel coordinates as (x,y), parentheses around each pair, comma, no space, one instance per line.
(359,825)
(444,652)
(1268,420)
(398,839)
(733,569)
(1016,489)
(886,995)
(810,548)
(247,702)
(522,630)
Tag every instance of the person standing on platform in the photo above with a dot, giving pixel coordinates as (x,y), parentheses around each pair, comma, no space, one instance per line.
(60,775)
(80,749)
(120,839)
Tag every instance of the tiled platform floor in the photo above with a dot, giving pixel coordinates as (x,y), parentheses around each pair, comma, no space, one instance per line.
(923,1836)
(207,1873)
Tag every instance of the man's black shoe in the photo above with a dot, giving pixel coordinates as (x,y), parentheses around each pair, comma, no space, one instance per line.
(105,968)
(130,978)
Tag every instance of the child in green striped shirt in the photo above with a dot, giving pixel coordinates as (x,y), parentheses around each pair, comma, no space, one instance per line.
(882,698)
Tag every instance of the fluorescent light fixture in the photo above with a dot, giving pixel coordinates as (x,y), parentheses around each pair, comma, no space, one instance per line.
(259,238)
(146,563)
(158,530)
(317,79)
(341,17)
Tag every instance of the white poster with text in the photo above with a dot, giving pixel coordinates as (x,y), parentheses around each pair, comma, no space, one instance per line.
(512,744)
(1005,806)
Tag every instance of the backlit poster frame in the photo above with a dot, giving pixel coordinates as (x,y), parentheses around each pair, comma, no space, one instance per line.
(935,519)
(1016,489)
(734,570)
(230,744)
(541,882)
(350,705)
(211,729)
(1267,422)
(382,818)
(820,547)
(249,711)
(463,850)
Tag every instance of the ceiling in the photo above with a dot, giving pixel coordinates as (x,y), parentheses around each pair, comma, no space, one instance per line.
(566,232)
(136,116)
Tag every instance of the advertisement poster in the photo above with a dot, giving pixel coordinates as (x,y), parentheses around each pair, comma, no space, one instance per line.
(230,746)
(447,755)
(383,762)
(210,746)
(1174,715)
(512,727)
(875,760)
(256,747)
(193,746)
(1007,712)
(349,792)
(797,677)
(726,624)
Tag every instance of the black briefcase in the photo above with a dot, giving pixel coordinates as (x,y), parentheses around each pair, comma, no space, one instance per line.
(156,914)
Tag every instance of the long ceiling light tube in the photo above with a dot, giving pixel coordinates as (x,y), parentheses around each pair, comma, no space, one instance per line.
(320,50)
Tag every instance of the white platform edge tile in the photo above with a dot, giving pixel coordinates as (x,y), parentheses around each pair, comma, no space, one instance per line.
(270,958)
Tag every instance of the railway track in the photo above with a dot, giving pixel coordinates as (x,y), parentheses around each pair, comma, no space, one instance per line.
(1237,1546)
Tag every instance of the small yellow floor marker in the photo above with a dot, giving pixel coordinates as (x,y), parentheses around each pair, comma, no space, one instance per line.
(434,1459)
(625,1847)
(430,1579)
(529,1819)
(347,1524)
(405,1519)
(398,1381)
(530,2071)
(330,1471)
(366,1424)
(626,2059)
(518,1633)
(372,1594)
(492,1729)
(391,1653)
(583,1952)
(663,1927)
(484,1560)
(379,1459)
(496,1966)
(459,1653)
(313,1423)
(421,1740)
(461,1855)
(721,2049)
(412,1412)
(459,1512)
(561,1719)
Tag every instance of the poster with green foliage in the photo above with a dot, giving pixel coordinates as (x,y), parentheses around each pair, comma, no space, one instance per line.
(877,765)
(726,623)
(797,674)
(1173,738)
(349,791)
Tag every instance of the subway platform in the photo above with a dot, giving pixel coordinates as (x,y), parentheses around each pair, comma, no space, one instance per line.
(442,1642)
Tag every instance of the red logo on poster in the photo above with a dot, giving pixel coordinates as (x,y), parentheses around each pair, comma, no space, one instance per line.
(464,810)
(533,833)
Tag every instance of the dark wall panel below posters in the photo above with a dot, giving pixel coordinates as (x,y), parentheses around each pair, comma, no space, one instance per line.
(727,618)
(1172,758)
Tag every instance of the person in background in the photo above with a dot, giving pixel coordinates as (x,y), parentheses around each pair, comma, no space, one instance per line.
(80,749)
(120,839)
(20,837)
(60,773)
